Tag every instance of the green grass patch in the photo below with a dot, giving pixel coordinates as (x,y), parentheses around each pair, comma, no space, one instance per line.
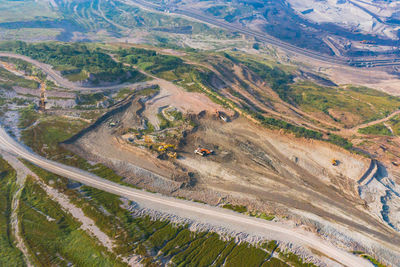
(369,258)
(162,236)
(77,77)
(27,116)
(176,245)
(167,67)
(149,60)
(373,261)
(28,69)
(63,56)
(89,99)
(224,253)
(245,255)
(53,237)
(237,208)
(8,80)
(164,123)
(262,215)
(274,262)
(395,124)
(9,253)
(44,138)
(294,260)
(377,129)
(206,253)
(349,106)
(271,245)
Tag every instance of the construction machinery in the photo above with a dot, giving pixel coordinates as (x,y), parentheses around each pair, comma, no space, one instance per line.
(172,154)
(221,116)
(166,147)
(42,101)
(203,152)
(112,124)
(148,139)
(335,162)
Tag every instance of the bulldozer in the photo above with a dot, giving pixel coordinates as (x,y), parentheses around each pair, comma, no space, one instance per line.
(335,162)
(203,152)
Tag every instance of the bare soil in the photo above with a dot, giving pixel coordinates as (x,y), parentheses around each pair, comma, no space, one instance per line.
(265,170)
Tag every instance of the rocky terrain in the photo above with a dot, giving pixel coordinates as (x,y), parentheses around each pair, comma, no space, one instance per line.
(187,113)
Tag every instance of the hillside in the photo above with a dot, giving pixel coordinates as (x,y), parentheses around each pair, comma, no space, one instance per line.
(199,133)
(274,130)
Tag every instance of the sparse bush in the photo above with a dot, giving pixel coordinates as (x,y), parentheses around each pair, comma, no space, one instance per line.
(237,208)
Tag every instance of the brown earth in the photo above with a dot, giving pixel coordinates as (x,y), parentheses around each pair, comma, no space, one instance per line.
(252,165)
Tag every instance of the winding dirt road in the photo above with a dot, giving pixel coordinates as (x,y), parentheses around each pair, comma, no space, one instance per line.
(354,130)
(56,77)
(186,209)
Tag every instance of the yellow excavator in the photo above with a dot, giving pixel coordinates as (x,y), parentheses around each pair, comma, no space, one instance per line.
(166,147)
(169,149)
(172,154)
(335,162)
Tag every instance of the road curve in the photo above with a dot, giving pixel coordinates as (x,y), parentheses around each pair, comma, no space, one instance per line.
(354,130)
(268,39)
(56,77)
(185,209)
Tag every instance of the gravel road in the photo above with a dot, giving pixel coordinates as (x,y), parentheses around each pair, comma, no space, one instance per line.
(190,210)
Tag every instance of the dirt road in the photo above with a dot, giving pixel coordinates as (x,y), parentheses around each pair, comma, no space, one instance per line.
(354,130)
(186,209)
(58,79)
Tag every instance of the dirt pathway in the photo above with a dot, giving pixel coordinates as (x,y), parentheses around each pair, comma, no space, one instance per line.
(174,95)
(88,224)
(300,117)
(21,177)
(354,130)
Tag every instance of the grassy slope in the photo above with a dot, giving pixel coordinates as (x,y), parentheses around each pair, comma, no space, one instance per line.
(381,129)
(49,130)
(155,240)
(8,252)
(395,124)
(8,80)
(360,102)
(377,129)
(76,57)
(53,237)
